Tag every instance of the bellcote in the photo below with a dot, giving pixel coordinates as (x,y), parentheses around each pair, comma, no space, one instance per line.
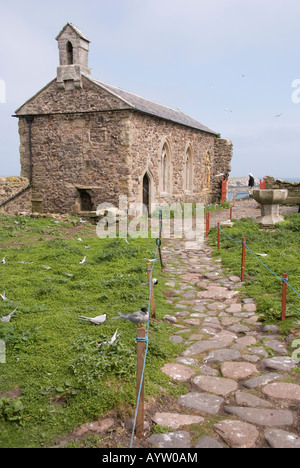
(73,57)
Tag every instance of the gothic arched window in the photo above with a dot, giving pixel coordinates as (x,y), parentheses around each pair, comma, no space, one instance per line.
(188,170)
(165,168)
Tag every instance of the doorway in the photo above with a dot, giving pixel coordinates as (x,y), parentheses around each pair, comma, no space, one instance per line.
(86,203)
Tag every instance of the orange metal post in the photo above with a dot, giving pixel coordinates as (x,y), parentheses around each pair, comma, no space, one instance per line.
(207,223)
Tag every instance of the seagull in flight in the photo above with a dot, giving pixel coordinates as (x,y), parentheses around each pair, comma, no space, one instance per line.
(278,115)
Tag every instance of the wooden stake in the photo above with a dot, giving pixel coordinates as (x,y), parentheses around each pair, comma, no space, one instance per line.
(139,427)
(231,212)
(284,289)
(152,303)
(218,236)
(243,259)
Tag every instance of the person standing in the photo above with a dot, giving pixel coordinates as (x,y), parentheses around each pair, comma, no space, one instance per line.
(251,184)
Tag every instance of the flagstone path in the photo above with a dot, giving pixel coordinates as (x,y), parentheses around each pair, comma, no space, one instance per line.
(244,387)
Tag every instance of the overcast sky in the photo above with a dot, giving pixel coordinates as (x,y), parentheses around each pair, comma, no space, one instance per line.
(229,64)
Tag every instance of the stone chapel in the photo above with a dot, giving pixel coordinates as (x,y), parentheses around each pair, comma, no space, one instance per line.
(84,142)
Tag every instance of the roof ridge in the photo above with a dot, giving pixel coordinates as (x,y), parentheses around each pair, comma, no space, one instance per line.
(178,116)
(141,97)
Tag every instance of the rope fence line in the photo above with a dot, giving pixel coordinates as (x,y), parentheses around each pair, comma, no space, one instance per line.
(283,279)
(142,351)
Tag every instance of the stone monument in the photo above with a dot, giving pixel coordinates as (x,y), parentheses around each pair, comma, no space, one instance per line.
(270,201)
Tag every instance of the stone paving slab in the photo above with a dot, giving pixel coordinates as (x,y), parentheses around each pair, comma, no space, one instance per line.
(279,363)
(237,434)
(202,402)
(261,380)
(238,370)
(208,443)
(262,417)
(178,371)
(222,355)
(282,391)
(179,439)
(278,438)
(216,385)
(175,420)
(247,399)
(202,347)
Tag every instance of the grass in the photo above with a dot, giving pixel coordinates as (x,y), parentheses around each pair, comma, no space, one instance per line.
(283,256)
(64,373)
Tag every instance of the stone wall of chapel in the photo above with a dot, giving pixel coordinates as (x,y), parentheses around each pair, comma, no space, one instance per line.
(76,150)
(147,137)
(11,186)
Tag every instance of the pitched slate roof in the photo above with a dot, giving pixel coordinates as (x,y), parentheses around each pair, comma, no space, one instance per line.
(152,108)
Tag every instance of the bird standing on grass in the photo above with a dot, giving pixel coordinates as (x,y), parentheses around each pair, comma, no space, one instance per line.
(141,316)
(3,297)
(96,320)
(7,318)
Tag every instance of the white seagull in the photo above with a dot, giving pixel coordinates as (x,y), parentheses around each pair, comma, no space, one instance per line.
(3,261)
(3,297)
(96,320)
(113,339)
(8,317)
(82,261)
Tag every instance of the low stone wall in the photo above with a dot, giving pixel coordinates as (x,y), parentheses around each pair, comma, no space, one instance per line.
(10,186)
(292,187)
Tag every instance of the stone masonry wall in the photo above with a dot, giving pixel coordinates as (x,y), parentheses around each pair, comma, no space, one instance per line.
(75,151)
(223,152)
(292,187)
(147,138)
(10,186)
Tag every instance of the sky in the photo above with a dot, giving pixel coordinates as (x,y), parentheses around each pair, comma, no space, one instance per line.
(233,65)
